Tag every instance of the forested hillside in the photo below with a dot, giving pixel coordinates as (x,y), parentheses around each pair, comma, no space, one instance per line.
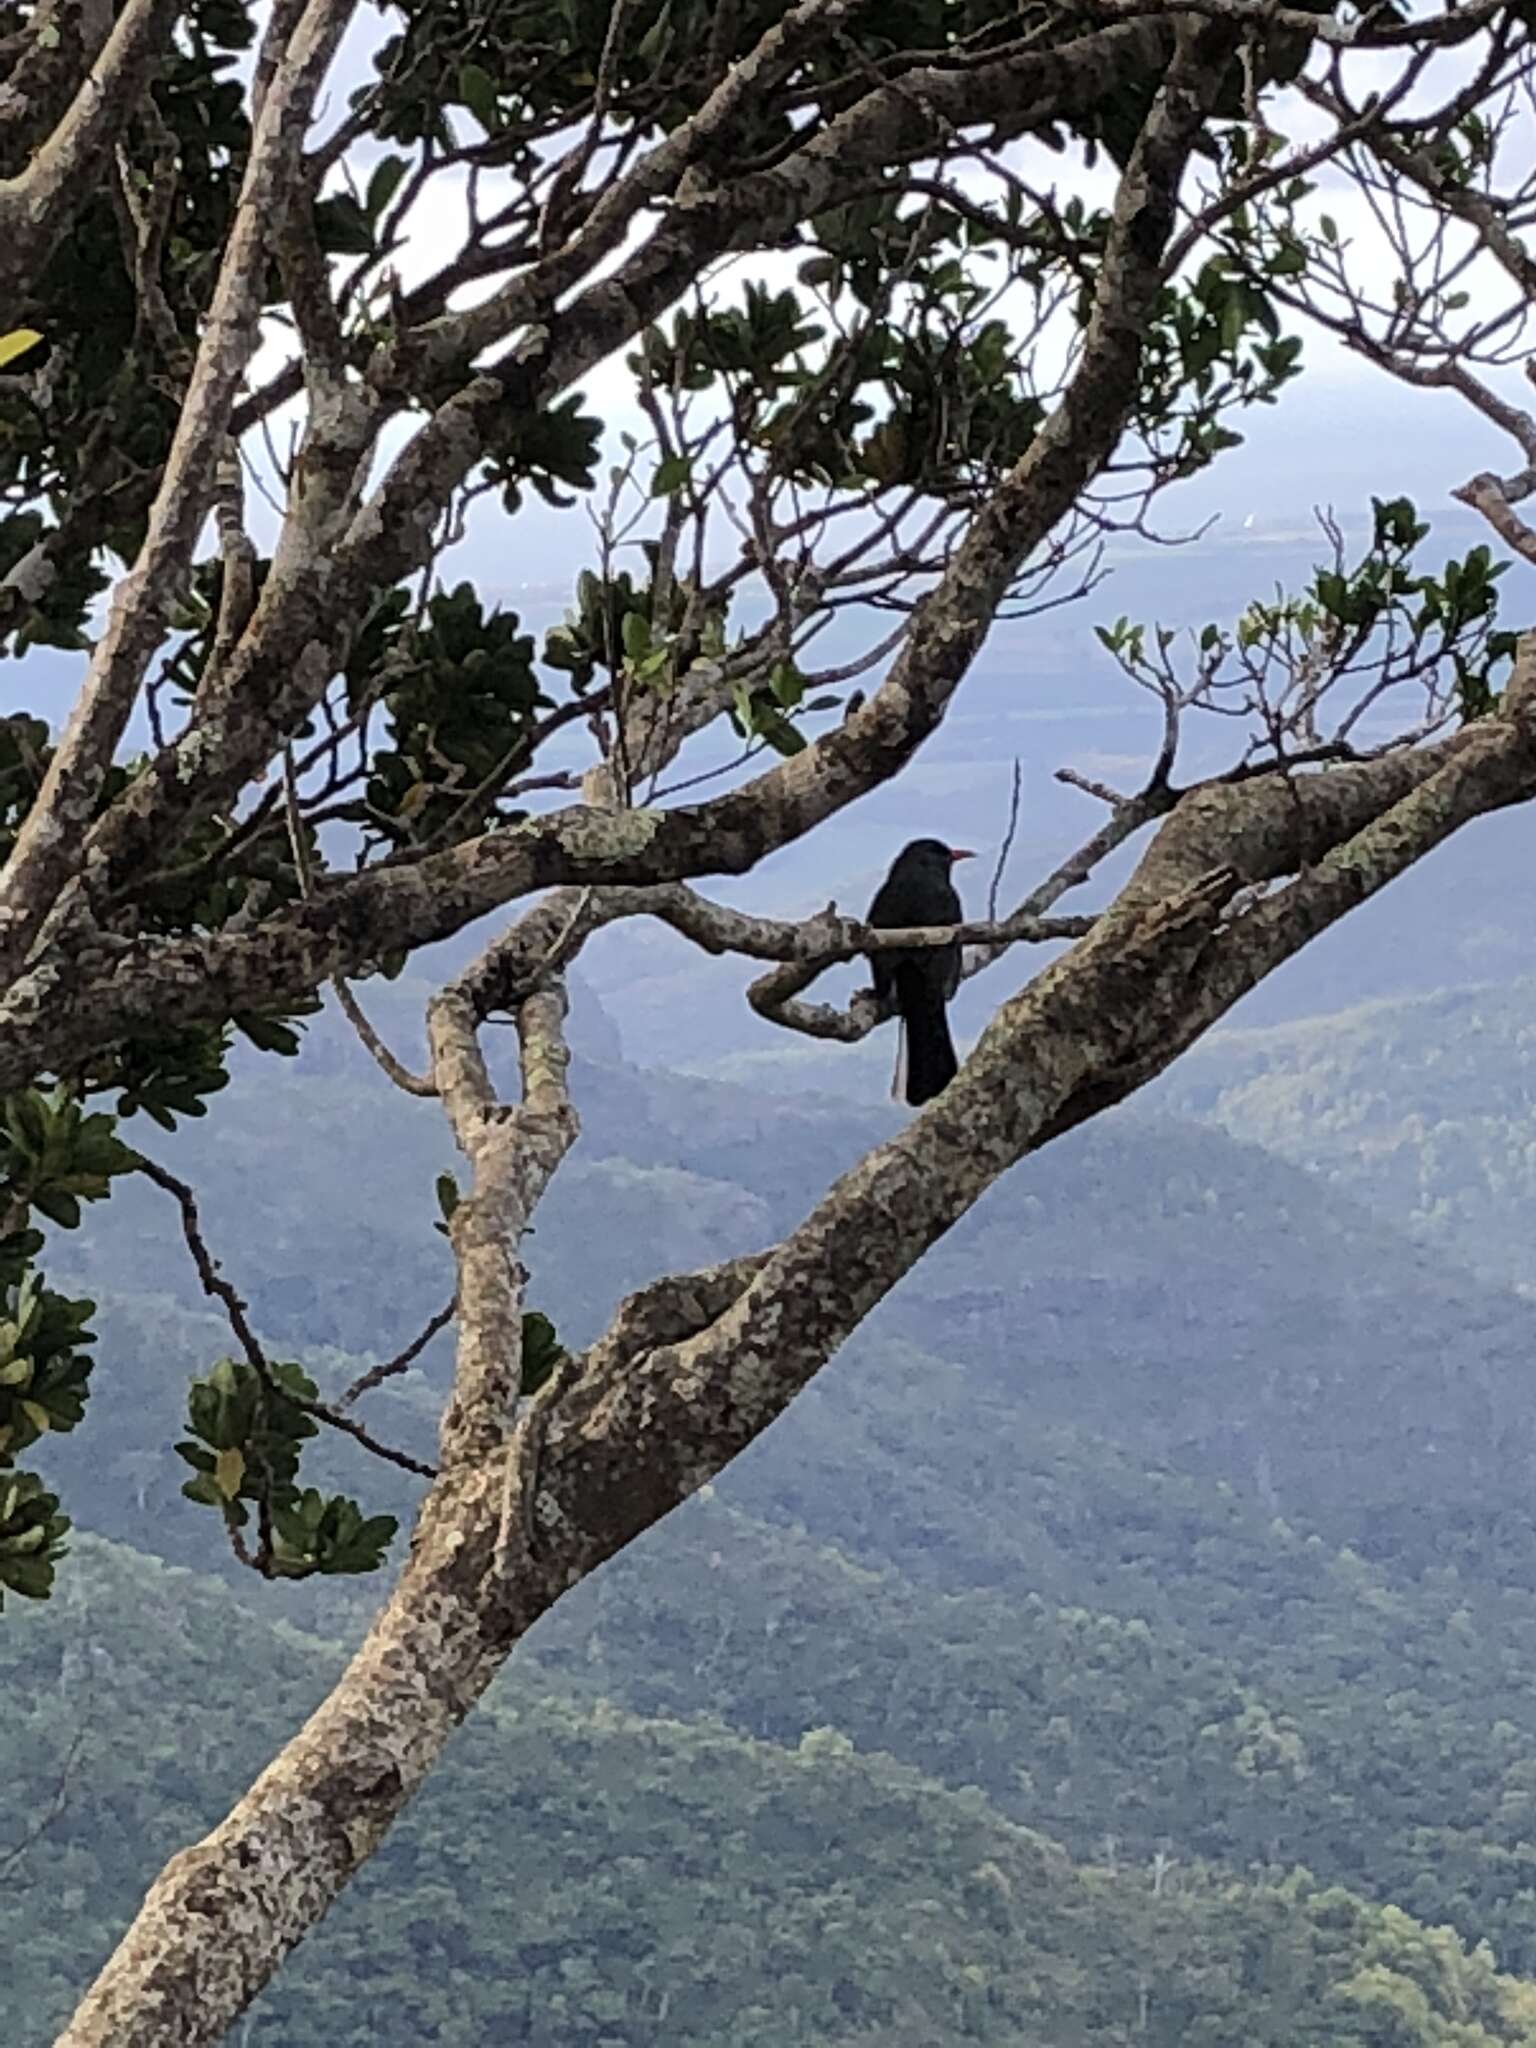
(1424,1109)
(585,1878)
(1179,1517)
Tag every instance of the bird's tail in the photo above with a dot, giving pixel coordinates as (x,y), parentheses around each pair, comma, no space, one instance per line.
(930,1051)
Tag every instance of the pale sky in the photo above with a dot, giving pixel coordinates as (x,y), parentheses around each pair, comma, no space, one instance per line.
(1342,432)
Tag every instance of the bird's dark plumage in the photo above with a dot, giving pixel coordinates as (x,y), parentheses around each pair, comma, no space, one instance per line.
(918,982)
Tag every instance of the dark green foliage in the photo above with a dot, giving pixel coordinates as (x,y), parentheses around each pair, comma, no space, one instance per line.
(316,1534)
(53,1156)
(672,1883)
(61,621)
(96,415)
(44,1367)
(558,445)
(32,1533)
(461,699)
(248,1428)
(542,1351)
(620,629)
(24,756)
(248,1434)
(166,1074)
(763,712)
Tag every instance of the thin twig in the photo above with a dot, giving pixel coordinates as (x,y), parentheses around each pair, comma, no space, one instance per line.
(322,1411)
(1007,845)
(213,1282)
(221,1290)
(402,1361)
(396,1069)
(352,1009)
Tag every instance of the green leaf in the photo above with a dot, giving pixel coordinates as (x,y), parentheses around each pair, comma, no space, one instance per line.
(477,90)
(783,737)
(787,684)
(542,1351)
(671,476)
(383,185)
(635,633)
(342,227)
(653,44)
(267,1034)
(59,1207)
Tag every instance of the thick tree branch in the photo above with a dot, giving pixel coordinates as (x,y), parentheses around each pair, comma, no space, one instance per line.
(38,205)
(49,847)
(403,1360)
(512,1154)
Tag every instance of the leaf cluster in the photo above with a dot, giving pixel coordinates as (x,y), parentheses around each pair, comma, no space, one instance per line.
(246,1432)
(461,698)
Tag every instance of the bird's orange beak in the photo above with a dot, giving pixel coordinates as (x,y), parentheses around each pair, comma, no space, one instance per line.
(962,853)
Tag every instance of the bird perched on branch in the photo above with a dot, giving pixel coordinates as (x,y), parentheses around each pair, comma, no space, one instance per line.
(918,981)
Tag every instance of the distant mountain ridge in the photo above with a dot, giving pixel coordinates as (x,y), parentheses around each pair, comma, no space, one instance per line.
(1424,1108)
(578,1878)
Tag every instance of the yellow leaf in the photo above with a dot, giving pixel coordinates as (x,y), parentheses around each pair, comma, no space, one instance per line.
(228,1471)
(16,343)
(16,1372)
(37,1416)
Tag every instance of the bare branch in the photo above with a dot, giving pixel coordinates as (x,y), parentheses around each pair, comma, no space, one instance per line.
(220,1289)
(402,1361)
(398,1072)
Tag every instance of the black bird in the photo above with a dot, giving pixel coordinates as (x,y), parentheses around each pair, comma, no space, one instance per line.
(919,980)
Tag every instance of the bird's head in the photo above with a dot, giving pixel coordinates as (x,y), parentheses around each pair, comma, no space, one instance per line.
(932,853)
